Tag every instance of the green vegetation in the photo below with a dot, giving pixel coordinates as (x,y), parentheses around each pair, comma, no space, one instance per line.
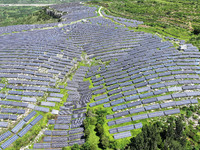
(38,1)
(159,136)
(174,18)
(24,15)
(166,133)
(30,135)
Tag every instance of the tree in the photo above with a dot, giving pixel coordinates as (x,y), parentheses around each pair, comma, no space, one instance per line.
(170,131)
(75,147)
(149,138)
(86,146)
(87,133)
(196,29)
(158,136)
(105,142)
(179,128)
(175,145)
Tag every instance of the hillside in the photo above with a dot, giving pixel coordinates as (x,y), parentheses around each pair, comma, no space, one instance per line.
(18,15)
(174,18)
(93,78)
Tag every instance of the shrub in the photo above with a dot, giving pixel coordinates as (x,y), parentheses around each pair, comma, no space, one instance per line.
(196,30)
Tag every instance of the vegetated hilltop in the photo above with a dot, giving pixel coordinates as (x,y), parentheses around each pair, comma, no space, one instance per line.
(38,1)
(17,15)
(173,18)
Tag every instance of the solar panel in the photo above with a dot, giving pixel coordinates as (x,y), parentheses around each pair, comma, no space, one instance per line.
(125,128)
(102,101)
(9,141)
(59,133)
(123,120)
(100,97)
(63,127)
(53,99)
(18,126)
(77,130)
(136,110)
(194,101)
(5,135)
(119,107)
(79,142)
(76,136)
(24,130)
(56,95)
(151,107)
(138,125)
(156,114)
(183,102)
(171,111)
(38,118)
(43,109)
(139,117)
(42,145)
(166,97)
(132,98)
(122,135)
(117,102)
(29,116)
(29,99)
(50,104)
(169,104)
(3,124)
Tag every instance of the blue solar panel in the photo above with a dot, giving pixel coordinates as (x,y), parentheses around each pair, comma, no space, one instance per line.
(29,116)
(38,118)
(122,135)
(5,135)
(18,126)
(24,130)
(9,141)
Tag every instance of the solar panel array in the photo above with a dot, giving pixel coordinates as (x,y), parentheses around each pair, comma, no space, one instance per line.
(138,76)
(124,21)
(74,11)
(18,131)
(68,127)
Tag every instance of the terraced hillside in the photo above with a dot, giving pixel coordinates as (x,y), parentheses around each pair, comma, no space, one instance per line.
(52,74)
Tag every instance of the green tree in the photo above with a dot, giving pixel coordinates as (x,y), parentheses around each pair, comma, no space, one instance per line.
(75,147)
(179,128)
(196,29)
(105,142)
